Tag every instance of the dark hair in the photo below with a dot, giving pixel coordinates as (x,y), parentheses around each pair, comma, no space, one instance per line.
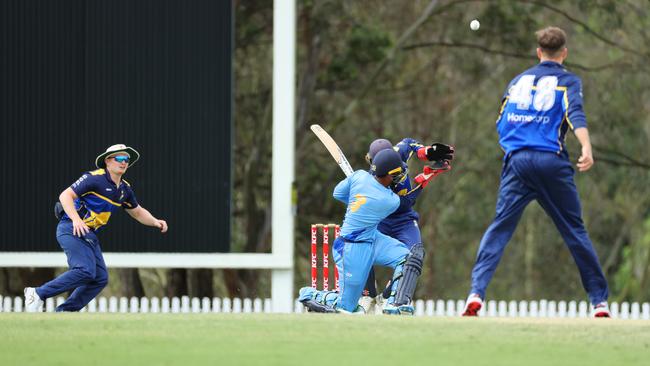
(551,40)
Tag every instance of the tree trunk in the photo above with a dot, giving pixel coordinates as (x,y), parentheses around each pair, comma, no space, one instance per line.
(231,279)
(176,282)
(201,283)
(529,255)
(130,280)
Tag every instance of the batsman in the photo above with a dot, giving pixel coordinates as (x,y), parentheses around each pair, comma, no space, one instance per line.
(369,200)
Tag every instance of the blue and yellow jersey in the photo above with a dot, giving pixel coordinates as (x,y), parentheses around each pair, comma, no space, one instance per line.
(407,148)
(99,197)
(538,108)
(368,202)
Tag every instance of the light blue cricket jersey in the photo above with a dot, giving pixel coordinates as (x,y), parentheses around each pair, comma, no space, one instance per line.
(368,204)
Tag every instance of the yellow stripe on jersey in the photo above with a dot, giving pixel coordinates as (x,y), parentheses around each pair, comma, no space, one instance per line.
(97,220)
(358,202)
(419,186)
(102,197)
(566,112)
(565,97)
(503,106)
(98,172)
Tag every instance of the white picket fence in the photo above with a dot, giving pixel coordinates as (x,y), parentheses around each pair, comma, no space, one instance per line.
(441,308)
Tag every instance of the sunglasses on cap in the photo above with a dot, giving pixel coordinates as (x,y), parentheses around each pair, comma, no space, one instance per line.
(121,158)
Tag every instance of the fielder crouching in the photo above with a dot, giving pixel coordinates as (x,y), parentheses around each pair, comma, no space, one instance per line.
(87,206)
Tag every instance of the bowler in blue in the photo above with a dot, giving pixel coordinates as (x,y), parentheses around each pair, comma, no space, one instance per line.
(538,108)
(369,200)
(87,206)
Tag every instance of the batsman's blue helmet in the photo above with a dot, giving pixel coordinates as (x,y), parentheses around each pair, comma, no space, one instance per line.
(388,162)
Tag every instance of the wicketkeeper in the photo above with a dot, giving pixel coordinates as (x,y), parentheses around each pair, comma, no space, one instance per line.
(403,223)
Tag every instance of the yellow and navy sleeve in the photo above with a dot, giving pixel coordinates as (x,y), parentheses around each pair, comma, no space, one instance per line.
(86,183)
(407,147)
(572,103)
(130,202)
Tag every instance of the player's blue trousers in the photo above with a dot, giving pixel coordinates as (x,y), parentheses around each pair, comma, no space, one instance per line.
(406,231)
(87,274)
(548,178)
(354,260)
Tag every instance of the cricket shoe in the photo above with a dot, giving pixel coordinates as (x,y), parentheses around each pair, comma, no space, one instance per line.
(406,309)
(357,311)
(33,302)
(309,297)
(601,310)
(368,304)
(473,305)
(392,309)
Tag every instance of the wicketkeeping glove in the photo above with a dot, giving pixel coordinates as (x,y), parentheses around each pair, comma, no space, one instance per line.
(436,151)
(428,173)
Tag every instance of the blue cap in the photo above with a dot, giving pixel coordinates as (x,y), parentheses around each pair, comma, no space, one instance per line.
(387,161)
(376,146)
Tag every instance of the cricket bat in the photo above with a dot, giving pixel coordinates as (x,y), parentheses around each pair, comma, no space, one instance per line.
(333,148)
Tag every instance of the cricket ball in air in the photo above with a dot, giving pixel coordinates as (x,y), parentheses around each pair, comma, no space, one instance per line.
(474,25)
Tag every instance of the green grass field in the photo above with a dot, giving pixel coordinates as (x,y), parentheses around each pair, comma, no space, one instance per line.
(316,339)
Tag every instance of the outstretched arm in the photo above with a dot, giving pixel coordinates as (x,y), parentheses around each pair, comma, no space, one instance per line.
(146,218)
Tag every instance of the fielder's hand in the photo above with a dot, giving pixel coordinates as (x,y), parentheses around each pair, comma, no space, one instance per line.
(79,228)
(586,160)
(429,173)
(436,151)
(162,225)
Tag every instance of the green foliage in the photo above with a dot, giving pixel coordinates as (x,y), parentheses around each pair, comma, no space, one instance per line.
(632,275)
(364,46)
(509,24)
(367,44)
(449,89)
(623,278)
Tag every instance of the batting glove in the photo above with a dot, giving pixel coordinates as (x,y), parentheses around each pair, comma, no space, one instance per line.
(436,151)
